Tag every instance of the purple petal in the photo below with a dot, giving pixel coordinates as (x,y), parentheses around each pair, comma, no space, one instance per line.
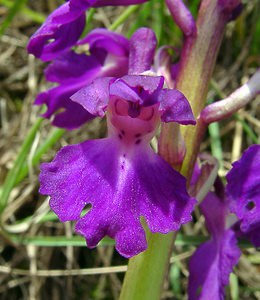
(137,88)
(204,176)
(142,48)
(215,212)
(72,67)
(231,7)
(175,107)
(100,3)
(94,97)
(59,32)
(210,267)
(122,184)
(74,71)
(108,51)
(163,65)
(165,202)
(254,236)
(102,38)
(81,4)
(182,16)
(243,189)
(67,114)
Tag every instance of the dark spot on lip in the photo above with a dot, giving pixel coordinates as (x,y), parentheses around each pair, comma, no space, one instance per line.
(124,155)
(122,132)
(138,141)
(250,205)
(122,167)
(138,135)
(120,136)
(139,88)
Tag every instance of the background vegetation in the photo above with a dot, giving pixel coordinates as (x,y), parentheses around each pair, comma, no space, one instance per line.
(40,257)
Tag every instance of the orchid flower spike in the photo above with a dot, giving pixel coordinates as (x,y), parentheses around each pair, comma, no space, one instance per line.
(120,176)
(64,26)
(243,191)
(100,53)
(212,263)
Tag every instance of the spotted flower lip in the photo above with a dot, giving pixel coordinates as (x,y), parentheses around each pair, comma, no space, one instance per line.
(120,176)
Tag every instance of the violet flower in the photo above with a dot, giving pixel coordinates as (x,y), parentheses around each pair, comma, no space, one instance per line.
(120,176)
(108,56)
(243,191)
(212,263)
(64,26)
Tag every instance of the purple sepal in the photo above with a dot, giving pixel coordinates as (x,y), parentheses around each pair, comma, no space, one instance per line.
(215,211)
(142,48)
(72,67)
(163,65)
(212,263)
(65,113)
(231,7)
(94,97)
(141,89)
(243,191)
(182,16)
(100,3)
(59,32)
(210,267)
(108,56)
(236,12)
(111,42)
(138,88)
(121,184)
(81,4)
(175,107)
(108,52)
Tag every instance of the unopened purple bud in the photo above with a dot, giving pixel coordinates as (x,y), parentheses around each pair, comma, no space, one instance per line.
(142,48)
(182,16)
(238,99)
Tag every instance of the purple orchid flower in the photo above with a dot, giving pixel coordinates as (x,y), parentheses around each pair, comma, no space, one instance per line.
(64,26)
(243,191)
(212,263)
(120,176)
(108,57)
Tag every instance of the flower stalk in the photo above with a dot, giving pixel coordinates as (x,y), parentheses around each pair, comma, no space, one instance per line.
(145,275)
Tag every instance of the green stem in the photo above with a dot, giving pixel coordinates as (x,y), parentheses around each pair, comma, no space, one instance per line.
(124,16)
(18,164)
(145,276)
(145,271)
(54,136)
(13,10)
(33,15)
